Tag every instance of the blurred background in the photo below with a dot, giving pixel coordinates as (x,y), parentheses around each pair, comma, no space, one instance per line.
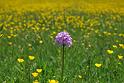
(21,3)
(85,5)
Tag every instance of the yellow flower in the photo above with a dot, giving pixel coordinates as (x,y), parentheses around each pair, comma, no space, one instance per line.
(39,70)
(31,57)
(34,74)
(40,41)
(29,45)
(53,81)
(110,51)
(1,35)
(114,46)
(54,33)
(120,57)
(36,81)
(79,76)
(14,35)
(9,37)
(20,60)
(121,45)
(120,35)
(98,65)
(10,43)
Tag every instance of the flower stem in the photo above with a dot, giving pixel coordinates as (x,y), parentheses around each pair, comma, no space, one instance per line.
(29,71)
(62,63)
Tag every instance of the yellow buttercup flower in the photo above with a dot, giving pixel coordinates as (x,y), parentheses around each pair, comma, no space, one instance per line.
(29,45)
(121,45)
(114,46)
(53,81)
(20,60)
(39,70)
(31,57)
(36,81)
(9,37)
(54,33)
(120,57)
(98,65)
(40,41)
(1,35)
(79,76)
(110,51)
(14,35)
(10,43)
(34,74)
(120,35)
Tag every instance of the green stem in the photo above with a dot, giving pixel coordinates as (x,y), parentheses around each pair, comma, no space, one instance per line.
(62,63)
(89,68)
(29,73)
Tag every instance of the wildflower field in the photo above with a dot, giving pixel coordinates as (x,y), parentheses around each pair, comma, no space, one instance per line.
(30,54)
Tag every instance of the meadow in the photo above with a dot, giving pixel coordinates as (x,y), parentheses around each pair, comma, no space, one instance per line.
(29,53)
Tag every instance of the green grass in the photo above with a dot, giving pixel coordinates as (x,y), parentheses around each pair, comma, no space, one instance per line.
(90,45)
